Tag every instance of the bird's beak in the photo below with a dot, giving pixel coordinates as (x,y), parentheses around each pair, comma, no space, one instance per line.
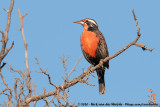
(80,22)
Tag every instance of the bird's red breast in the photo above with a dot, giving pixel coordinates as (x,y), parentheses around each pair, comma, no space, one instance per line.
(89,42)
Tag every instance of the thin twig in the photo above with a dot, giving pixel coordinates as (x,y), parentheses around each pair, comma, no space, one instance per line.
(15,91)
(7,50)
(47,104)
(50,101)
(75,66)
(34,92)
(10,91)
(152,96)
(2,65)
(2,92)
(84,81)
(64,63)
(143,47)
(44,72)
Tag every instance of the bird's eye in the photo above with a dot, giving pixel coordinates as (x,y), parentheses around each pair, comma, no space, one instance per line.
(86,21)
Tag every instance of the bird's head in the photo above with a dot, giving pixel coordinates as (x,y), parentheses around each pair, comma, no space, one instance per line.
(88,24)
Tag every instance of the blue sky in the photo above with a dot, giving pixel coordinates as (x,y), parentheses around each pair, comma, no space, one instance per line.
(50,33)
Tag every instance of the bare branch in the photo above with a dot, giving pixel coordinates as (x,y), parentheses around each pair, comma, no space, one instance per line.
(2,92)
(84,81)
(26,53)
(55,104)
(75,65)
(7,50)
(47,104)
(5,34)
(19,72)
(50,101)
(138,29)
(152,96)
(6,10)
(21,92)
(34,92)
(59,102)
(8,88)
(64,63)
(143,47)
(8,20)
(15,91)
(2,34)
(2,65)
(44,72)
(65,97)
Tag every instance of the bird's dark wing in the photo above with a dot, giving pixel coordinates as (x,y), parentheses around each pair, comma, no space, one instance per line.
(102,49)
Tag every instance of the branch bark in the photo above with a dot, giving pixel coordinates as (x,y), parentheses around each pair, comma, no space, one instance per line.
(143,47)
(8,21)
(26,53)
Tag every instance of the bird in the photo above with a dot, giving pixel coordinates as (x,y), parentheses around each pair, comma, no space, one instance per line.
(94,48)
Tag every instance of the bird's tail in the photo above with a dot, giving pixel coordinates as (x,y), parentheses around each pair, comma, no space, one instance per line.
(100,73)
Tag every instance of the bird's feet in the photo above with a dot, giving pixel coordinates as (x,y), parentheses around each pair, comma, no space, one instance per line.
(101,62)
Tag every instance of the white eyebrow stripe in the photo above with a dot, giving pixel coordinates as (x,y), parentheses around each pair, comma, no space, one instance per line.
(92,21)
